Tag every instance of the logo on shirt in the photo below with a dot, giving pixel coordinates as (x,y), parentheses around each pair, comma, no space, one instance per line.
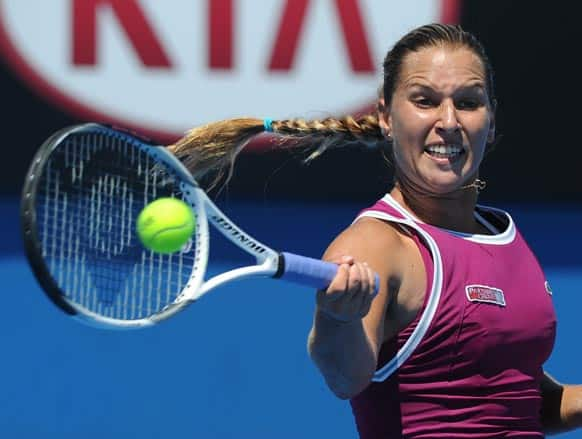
(485,294)
(548,288)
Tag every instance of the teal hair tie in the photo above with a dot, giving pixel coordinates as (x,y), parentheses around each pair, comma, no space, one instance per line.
(268,124)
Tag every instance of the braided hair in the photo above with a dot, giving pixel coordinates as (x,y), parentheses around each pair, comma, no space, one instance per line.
(214,147)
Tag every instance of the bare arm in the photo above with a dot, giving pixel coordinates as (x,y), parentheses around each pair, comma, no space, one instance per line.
(347,331)
(343,352)
(561,406)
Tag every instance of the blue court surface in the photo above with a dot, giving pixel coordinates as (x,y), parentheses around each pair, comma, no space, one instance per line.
(233,365)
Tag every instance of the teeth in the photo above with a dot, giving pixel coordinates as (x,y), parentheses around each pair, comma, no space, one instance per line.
(445,149)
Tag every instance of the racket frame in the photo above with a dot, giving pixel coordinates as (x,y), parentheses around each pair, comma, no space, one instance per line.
(268,262)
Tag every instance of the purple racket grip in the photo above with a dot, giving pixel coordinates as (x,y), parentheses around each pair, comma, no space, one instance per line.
(310,272)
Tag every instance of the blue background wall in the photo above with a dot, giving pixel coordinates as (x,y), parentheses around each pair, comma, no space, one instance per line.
(232,365)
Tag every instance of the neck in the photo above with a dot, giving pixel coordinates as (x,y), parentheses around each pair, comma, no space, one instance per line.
(452,211)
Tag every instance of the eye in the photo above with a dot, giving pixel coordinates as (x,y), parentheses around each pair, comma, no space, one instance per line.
(468,104)
(424,102)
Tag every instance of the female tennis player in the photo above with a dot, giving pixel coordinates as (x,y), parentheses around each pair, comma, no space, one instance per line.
(454,343)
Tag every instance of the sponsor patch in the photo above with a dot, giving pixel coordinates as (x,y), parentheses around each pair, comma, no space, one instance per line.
(485,294)
(548,288)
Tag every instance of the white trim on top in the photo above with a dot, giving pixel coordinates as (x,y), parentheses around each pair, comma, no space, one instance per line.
(431,304)
(505,237)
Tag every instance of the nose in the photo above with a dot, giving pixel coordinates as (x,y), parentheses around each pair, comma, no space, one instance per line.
(448,120)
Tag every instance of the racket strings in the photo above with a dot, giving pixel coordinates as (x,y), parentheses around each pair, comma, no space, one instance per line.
(92,192)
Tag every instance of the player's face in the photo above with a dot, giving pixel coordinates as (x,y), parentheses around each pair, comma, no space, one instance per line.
(440,118)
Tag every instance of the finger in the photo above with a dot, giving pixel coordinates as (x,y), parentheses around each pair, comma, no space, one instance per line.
(371,293)
(339,284)
(343,259)
(355,281)
(365,273)
(361,299)
(371,275)
(346,259)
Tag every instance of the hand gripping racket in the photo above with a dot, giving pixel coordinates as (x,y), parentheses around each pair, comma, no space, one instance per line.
(83,192)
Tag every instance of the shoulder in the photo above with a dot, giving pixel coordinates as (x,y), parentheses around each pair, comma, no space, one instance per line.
(374,241)
(369,231)
(393,254)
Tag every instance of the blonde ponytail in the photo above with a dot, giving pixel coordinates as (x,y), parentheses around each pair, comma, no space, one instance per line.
(213,148)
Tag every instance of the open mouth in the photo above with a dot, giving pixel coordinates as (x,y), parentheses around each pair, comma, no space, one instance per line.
(445,151)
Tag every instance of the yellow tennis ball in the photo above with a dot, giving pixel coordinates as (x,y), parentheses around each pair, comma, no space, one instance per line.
(165,225)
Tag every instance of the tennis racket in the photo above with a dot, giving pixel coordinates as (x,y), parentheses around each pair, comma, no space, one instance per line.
(83,192)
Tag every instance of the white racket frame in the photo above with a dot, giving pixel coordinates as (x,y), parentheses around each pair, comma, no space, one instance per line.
(205,211)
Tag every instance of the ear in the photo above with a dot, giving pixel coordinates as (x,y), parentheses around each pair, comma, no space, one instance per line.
(491,132)
(492,110)
(384,119)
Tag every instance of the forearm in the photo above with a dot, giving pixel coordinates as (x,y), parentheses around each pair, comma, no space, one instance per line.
(571,410)
(570,416)
(343,353)
(561,406)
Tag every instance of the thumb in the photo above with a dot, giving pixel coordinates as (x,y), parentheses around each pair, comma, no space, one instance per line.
(347,260)
(341,259)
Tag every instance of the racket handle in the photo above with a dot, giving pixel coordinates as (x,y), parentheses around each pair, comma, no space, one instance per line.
(310,272)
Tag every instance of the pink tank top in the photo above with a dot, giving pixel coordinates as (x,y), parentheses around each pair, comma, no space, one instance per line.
(470,364)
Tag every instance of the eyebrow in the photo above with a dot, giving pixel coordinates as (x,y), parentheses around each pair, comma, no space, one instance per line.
(476,84)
